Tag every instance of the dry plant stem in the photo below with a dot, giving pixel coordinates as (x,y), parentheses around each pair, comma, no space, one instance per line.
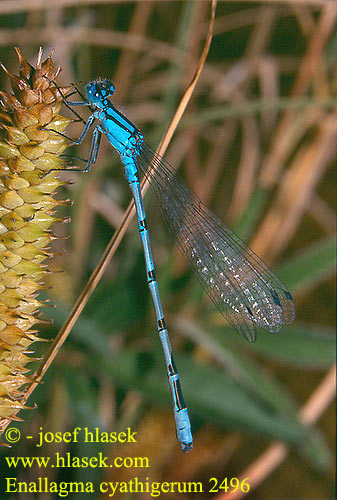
(125,66)
(120,232)
(278,451)
(309,164)
(325,25)
(23,6)
(296,189)
(98,37)
(250,157)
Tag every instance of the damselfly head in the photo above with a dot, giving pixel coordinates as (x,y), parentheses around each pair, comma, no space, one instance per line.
(98,90)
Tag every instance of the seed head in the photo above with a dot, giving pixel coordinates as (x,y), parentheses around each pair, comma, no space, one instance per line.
(29,155)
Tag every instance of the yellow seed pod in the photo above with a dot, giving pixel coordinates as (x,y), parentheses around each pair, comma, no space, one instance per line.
(28,159)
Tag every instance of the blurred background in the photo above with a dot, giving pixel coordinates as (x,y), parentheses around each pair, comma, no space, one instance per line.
(258,145)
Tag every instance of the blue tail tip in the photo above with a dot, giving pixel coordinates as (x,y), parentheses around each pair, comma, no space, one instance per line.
(186,447)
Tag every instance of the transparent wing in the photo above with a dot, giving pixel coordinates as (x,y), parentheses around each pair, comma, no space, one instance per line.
(243,288)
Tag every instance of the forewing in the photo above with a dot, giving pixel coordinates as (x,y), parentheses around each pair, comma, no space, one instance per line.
(242,287)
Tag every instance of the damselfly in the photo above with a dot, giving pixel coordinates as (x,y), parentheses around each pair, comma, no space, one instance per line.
(243,288)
